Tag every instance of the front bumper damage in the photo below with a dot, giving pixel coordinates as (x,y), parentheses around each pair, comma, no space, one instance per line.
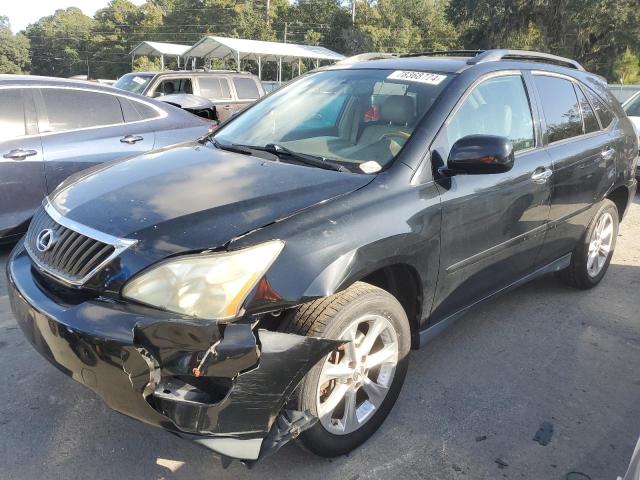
(223,386)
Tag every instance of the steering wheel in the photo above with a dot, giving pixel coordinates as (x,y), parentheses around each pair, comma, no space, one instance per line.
(397,134)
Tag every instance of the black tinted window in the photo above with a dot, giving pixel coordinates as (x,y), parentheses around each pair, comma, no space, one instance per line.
(72,109)
(214,87)
(605,115)
(590,121)
(246,88)
(171,86)
(129,112)
(11,114)
(144,110)
(560,106)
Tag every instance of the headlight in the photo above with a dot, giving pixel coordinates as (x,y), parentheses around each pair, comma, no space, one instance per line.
(209,285)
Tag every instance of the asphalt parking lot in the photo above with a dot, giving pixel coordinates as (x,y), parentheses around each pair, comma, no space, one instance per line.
(544,355)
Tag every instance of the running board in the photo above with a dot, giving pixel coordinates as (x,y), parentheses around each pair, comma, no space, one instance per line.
(429,333)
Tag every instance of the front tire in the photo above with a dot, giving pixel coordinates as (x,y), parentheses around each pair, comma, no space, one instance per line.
(592,256)
(353,389)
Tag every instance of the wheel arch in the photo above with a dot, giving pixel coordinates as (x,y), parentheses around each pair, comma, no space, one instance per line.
(403,282)
(620,197)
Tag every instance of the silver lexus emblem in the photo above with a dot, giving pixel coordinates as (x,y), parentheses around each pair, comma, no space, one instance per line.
(45,240)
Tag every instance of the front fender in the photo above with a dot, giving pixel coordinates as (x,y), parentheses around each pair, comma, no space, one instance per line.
(342,241)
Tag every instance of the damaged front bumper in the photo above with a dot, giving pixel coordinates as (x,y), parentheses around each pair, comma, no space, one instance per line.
(223,386)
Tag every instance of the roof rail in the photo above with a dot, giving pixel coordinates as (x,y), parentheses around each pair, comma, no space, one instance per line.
(365,57)
(523,55)
(444,53)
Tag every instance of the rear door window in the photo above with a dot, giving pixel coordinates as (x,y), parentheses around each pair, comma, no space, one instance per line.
(590,120)
(12,120)
(134,110)
(70,109)
(214,88)
(560,107)
(246,88)
(606,116)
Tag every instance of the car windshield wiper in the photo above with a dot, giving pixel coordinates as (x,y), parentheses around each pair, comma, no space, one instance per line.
(243,149)
(226,146)
(313,160)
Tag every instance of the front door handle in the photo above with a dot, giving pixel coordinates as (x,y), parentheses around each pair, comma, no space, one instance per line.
(228,107)
(131,139)
(19,154)
(541,175)
(608,153)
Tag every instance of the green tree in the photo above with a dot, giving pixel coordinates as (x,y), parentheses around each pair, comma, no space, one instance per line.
(627,68)
(59,43)
(410,26)
(146,64)
(119,27)
(594,32)
(14,49)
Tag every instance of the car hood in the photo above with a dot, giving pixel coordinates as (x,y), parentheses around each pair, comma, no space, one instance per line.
(194,197)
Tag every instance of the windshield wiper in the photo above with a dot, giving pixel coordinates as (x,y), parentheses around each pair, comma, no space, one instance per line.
(314,161)
(226,146)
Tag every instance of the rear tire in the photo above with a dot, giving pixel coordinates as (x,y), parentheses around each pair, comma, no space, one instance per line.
(592,256)
(360,310)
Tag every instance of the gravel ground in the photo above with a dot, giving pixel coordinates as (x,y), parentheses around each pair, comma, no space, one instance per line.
(473,401)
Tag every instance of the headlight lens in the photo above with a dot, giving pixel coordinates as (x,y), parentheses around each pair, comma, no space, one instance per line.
(211,285)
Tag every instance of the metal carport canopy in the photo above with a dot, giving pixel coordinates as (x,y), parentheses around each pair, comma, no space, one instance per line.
(158,48)
(242,49)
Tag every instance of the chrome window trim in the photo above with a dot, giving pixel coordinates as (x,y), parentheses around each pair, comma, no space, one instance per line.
(119,244)
(161,113)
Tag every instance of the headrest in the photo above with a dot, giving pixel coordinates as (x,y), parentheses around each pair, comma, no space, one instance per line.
(398,109)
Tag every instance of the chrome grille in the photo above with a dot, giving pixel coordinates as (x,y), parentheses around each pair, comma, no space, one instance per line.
(72,257)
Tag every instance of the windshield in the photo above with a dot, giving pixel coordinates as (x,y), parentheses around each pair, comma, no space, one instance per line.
(133,82)
(346,116)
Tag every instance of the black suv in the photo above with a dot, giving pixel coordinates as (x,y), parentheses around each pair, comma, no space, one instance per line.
(269,280)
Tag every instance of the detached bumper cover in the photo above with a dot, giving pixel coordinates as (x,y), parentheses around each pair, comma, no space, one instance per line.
(221,385)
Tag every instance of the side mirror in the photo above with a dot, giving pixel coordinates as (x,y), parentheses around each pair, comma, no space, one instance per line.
(480,154)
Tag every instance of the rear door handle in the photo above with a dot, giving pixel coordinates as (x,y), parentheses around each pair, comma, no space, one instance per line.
(541,175)
(131,139)
(19,154)
(608,153)
(228,107)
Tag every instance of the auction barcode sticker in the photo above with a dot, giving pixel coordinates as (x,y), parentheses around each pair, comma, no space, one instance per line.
(420,77)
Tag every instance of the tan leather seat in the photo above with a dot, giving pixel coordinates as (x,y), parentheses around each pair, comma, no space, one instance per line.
(398,114)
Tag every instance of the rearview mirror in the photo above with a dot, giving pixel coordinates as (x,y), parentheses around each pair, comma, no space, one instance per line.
(481,154)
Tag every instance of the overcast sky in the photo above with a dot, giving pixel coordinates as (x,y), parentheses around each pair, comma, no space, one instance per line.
(23,12)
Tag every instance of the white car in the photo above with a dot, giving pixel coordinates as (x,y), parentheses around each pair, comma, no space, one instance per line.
(632,109)
(633,472)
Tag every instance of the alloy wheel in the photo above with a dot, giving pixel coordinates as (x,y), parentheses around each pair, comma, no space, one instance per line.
(356,378)
(600,245)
